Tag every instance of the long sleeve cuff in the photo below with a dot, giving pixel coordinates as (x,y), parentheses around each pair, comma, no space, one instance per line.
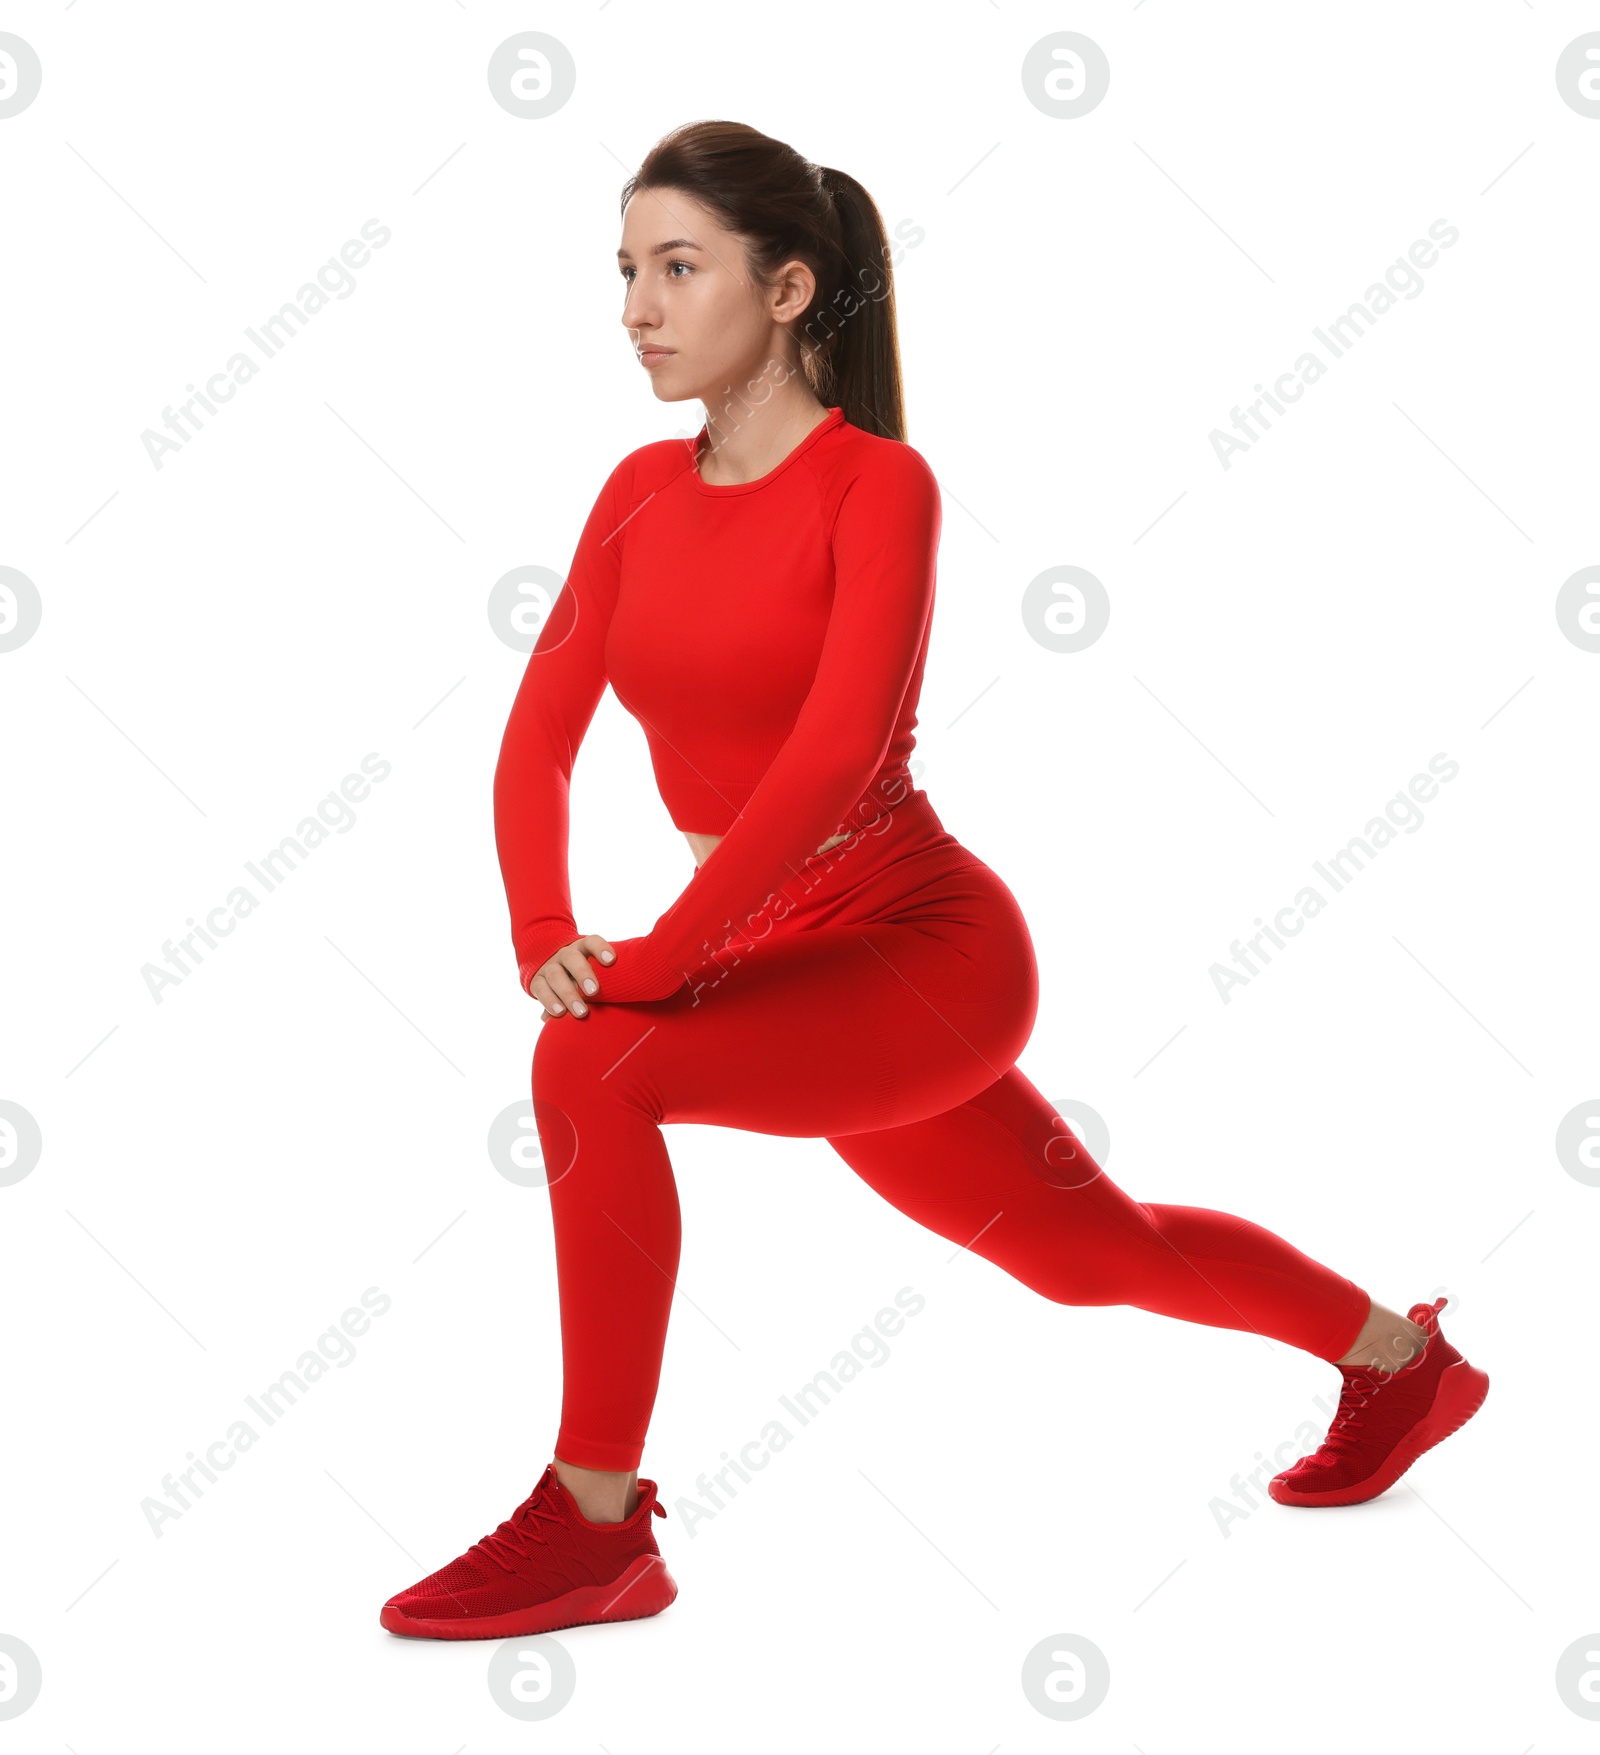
(537,942)
(640,972)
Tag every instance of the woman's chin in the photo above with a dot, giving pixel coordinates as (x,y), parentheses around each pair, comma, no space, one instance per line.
(665,390)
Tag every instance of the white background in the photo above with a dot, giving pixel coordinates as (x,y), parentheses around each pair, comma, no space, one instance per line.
(1290,640)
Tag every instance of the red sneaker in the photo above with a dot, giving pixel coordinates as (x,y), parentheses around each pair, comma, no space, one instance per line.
(547,1566)
(1385,1421)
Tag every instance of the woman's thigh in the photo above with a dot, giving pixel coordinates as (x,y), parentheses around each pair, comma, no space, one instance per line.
(834,1029)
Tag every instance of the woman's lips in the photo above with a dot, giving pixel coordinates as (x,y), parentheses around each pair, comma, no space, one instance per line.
(650,356)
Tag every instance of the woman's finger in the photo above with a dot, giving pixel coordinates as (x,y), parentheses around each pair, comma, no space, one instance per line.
(562,984)
(600,949)
(554,986)
(593,946)
(541,990)
(576,966)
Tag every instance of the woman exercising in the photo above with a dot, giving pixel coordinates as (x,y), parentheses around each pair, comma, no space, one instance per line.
(838,964)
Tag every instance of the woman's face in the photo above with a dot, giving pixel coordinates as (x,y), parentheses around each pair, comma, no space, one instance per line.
(698,322)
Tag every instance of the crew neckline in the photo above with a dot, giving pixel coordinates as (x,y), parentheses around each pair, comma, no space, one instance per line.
(833,418)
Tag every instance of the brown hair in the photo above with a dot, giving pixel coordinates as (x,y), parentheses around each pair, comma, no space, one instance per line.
(785,207)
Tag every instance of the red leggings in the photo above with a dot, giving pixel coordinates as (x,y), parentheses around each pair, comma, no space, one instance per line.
(883,1011)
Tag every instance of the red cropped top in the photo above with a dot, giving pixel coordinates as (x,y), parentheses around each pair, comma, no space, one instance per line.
(769,636)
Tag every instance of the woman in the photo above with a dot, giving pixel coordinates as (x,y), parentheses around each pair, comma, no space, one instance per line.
(838,964)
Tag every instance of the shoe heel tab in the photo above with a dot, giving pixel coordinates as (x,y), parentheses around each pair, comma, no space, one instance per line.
(1427,1315)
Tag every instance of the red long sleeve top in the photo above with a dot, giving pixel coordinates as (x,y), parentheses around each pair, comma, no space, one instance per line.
(769,636)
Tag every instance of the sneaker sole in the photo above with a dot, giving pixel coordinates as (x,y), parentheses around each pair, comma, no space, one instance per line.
(1462,1388)
(646,1588)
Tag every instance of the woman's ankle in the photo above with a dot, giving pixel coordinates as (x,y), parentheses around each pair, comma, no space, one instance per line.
(602,1495)
(1388,1342)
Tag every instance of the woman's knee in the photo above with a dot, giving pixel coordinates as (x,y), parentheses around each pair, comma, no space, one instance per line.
(579,1060)
(568,1049)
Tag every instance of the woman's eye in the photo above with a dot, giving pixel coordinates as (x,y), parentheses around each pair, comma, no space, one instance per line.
(629,273)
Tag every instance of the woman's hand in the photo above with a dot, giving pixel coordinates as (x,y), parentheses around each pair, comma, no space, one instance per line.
(556,983)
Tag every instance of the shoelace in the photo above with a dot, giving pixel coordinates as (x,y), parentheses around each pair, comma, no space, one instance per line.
(1354,1399)
(1357,1401)
(515,1539)
(518,1534)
